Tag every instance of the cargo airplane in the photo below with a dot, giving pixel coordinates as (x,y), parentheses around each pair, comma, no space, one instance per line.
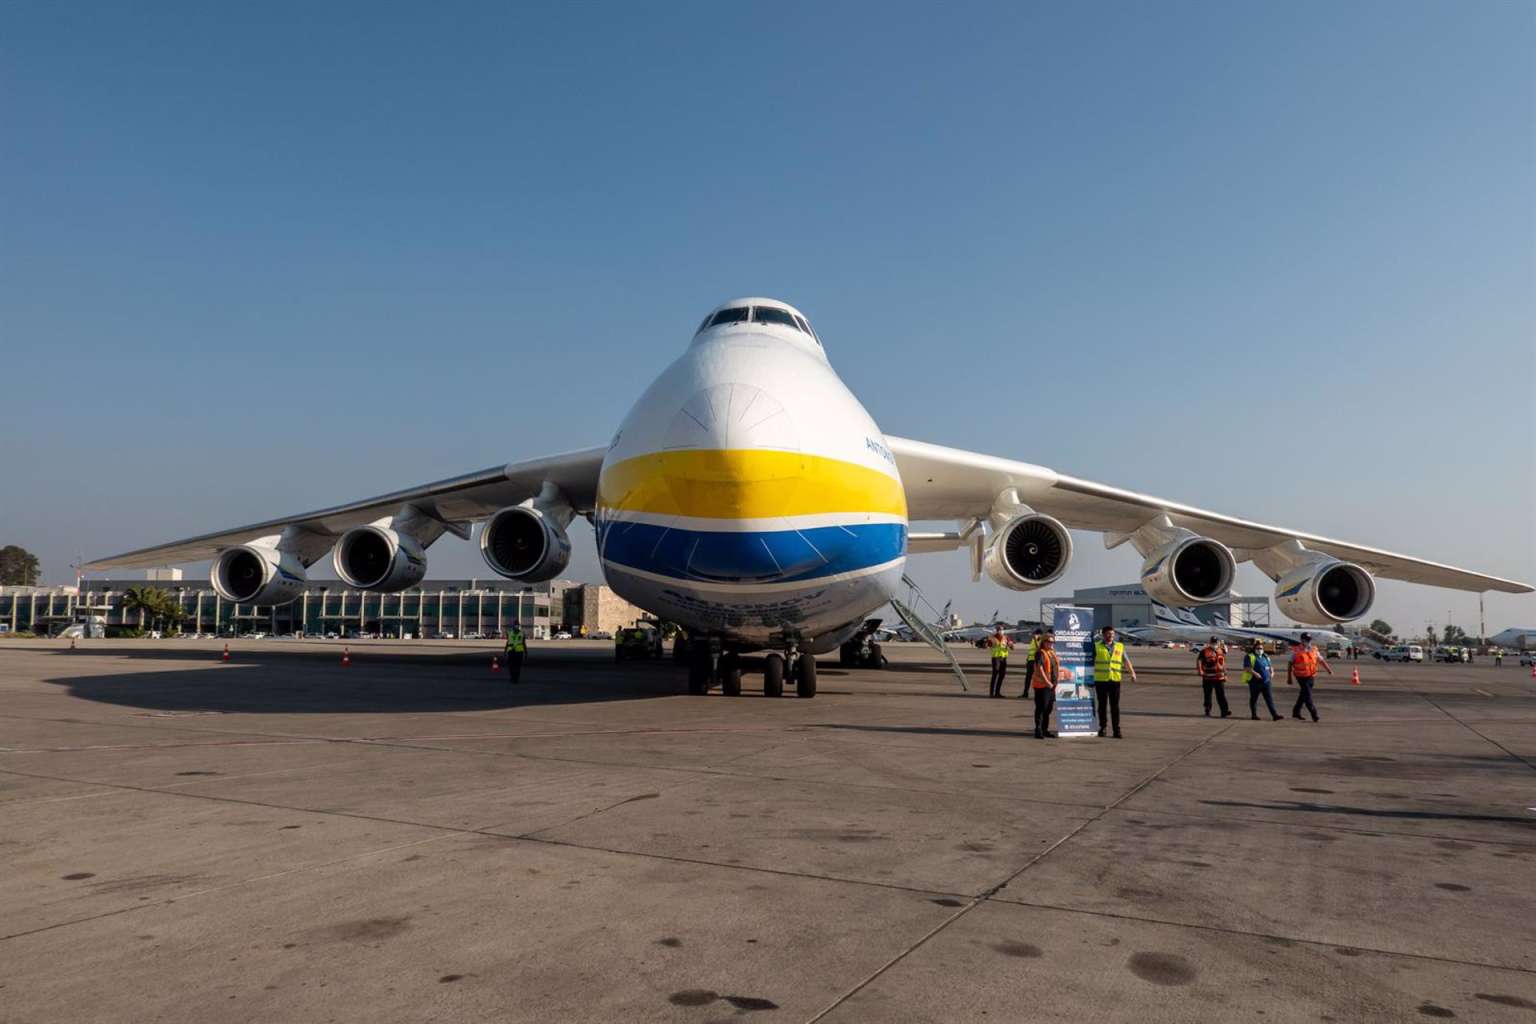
(750,498)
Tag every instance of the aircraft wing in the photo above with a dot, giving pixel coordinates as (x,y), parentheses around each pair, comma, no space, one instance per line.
(949,483)
(456,500)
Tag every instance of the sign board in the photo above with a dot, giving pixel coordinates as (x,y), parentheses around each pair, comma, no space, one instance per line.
(1074,646)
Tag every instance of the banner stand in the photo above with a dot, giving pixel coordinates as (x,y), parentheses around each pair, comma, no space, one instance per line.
(1074,690)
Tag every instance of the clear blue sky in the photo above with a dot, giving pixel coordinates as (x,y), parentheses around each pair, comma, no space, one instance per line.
(1276,259)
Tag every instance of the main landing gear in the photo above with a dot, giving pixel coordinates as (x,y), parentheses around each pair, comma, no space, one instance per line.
(708,666)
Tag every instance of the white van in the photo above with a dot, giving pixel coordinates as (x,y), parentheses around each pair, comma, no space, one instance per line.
(1404,652)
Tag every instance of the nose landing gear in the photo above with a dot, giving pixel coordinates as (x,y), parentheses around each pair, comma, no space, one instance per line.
(709,666)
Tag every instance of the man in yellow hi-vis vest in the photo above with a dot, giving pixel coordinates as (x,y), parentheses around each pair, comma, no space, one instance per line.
(1000,643)
(516,648)
(1109,662)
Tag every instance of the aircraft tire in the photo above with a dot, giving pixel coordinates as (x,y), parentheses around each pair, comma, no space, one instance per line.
(773,676)
(698,674)
(847,656)
(730,675)
(805,676)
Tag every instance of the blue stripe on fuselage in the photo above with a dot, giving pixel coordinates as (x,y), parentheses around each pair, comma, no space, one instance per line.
(769,556)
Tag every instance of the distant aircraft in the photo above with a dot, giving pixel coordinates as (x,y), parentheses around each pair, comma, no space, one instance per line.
(1181,625)
(750,498)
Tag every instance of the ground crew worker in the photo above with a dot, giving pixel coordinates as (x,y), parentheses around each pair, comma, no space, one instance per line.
(1045,670)
(1498,657)
(1000,643)
(516,648)
(1258,673)
(1212,665)
(1302,670)
(1109,661)
(1029,662)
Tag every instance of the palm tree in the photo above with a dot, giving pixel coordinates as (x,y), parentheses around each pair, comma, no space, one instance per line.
(144,600)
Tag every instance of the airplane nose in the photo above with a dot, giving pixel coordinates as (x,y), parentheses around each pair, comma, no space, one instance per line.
(731,417)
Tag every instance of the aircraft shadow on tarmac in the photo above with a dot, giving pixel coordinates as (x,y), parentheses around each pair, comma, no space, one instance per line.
(314,682)
(380,681)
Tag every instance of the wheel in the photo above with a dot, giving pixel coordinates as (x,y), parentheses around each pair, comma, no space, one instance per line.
(847,655)
(730,675)
(680,648)
(773,676)
(618,654)
(876,656)
(805,676)
(699,669)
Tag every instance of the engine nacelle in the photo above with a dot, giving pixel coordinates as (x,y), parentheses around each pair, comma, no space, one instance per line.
(379,558)
(257,574)
(1325,592)
(1030,551)
(522,543)
(1188,571)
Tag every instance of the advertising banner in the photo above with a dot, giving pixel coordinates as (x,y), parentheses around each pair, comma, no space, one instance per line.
(1074,691)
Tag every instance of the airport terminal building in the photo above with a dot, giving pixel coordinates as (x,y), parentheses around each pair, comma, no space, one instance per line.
(434,608)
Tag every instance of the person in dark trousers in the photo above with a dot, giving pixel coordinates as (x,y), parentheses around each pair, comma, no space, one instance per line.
(517,647)
(1001,644)
(1109,663)
(1212,664)
(1046,669)
(1258,674)
(1029,662)
(1302,670)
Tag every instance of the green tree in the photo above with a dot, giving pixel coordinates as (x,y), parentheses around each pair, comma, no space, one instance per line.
(18,567)
(1381,627)
(155,606)
(1429,632)
(1456,635)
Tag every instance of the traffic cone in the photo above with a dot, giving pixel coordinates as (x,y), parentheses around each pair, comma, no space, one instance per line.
(495,663)
(346,657)
(1354,678)
(226,652)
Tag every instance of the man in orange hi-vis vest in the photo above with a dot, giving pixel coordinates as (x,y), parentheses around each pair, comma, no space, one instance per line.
(1047,669)
(1302,670)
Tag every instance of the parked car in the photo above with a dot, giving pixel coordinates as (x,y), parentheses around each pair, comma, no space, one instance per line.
(1404,653)
(1528,657)
(562,635)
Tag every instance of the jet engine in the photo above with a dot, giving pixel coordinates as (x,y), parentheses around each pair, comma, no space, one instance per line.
(379,558)
(257,574)
(1030,551)
(1325,592)
(1187,571)
(524,543)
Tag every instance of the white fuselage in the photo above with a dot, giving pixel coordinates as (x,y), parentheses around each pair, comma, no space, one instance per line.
(749,496)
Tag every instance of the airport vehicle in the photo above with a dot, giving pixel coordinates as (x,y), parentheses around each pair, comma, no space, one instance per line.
(562,635)
(1403,652)
(638,643)
(1448,654)
(749,497)
(1528,657)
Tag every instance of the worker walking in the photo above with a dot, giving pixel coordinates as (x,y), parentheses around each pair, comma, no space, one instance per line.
(1212,664)
(516,648)
(1258,674)
(1109,662)
(1029,662)
(1045,669)
(1302,670)
(1001,644)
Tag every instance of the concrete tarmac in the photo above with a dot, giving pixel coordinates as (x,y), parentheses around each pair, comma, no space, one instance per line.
(281,838)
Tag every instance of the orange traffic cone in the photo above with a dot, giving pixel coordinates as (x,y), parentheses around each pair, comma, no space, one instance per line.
(1354,678)
(495,663)
(346,657)
(226,652)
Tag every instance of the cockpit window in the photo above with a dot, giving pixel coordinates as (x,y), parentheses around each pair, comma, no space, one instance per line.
(803,325)
(770,315)
(735,315)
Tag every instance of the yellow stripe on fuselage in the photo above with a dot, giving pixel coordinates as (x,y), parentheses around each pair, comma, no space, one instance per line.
(752,483)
